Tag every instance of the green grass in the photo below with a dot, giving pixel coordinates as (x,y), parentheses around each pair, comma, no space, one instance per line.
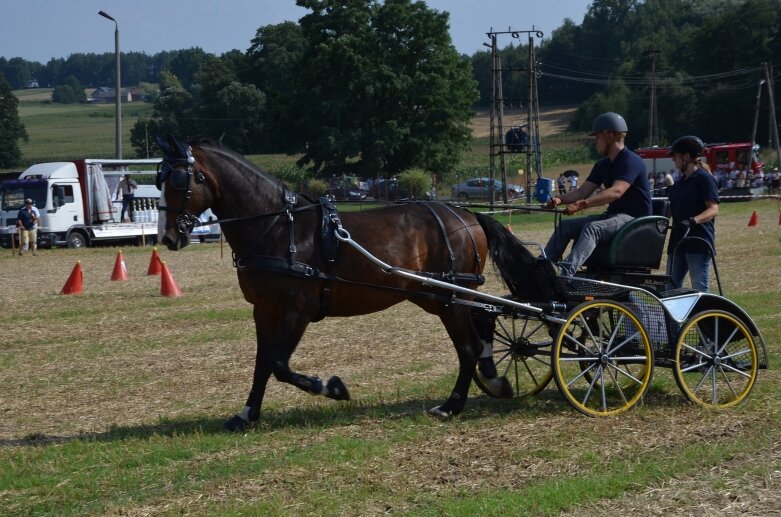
(72,131)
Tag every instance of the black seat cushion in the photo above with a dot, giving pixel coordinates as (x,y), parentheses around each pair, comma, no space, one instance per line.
(638,244)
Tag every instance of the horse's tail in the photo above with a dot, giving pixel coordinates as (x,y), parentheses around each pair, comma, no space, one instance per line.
(527,277)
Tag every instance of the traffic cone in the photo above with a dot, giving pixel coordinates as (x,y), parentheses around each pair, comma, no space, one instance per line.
(154,263)
(120,271)
(168,285)
(73,284)
(754,221)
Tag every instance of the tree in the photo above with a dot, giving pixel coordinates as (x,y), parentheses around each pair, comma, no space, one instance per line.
(380,88)
(11,128)
(72,92)
(242,107)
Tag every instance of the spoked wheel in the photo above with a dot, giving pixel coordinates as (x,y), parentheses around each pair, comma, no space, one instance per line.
(522,354)
(715,360)
(602,358)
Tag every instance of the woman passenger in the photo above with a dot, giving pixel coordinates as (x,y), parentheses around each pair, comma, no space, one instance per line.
(694,204)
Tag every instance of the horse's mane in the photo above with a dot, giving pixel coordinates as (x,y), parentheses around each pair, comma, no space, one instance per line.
(210,145)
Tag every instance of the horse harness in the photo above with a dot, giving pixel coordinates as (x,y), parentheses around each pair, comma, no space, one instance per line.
(181,179)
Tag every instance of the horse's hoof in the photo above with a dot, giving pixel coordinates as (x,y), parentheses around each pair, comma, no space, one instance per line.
(336,389)
(440,413)
(235,424)
(499,386)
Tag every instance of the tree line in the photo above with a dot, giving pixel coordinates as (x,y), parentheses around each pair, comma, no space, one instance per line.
(358,86)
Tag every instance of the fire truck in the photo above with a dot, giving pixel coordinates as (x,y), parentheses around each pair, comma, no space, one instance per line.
(722,156)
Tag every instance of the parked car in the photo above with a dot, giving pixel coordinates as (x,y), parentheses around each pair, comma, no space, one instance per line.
(394,190)
(346,188)
(479,188)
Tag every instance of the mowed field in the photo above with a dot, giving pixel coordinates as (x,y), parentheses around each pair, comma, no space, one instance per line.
(112,403)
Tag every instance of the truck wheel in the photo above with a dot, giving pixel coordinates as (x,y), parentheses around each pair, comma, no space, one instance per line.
(76,240)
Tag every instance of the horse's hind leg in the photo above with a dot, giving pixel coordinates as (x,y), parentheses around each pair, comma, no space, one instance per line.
(484,324)
(468,346)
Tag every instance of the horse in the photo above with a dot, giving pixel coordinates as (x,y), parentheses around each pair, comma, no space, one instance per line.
(294,271)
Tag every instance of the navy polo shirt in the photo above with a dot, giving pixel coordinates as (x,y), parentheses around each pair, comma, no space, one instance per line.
(628,167)
(687,199)
(26,217)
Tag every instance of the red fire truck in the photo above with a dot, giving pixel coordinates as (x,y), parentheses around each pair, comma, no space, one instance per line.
(719,156)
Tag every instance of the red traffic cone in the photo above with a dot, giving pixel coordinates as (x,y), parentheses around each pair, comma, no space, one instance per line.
(154,263)
(73,284)
(120,271)
(754,221)
(168,285)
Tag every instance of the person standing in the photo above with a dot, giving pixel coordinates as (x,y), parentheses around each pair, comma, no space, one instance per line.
(27,220)
(127,186)
(694,204)
(562,184)
(626,194)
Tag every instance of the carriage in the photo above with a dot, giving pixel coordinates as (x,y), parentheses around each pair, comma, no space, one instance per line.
(617,321)
(614,323)
(599,335)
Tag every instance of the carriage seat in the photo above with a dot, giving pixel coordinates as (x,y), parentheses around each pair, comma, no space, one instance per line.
(638,245)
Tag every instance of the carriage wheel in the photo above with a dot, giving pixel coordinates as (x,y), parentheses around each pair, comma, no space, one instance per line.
(522,347)
(602,358)
(715,360)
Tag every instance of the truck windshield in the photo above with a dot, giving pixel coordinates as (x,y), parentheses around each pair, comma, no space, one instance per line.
(14,192)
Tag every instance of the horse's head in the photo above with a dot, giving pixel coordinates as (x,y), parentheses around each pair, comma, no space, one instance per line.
(184,193)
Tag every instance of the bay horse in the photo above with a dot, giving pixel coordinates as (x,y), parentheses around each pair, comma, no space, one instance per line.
(294,272)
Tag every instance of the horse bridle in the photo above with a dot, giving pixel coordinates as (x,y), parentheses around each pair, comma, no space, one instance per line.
(182,173)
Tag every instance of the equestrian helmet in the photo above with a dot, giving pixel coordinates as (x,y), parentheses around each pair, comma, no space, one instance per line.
(609,122)
(687,144)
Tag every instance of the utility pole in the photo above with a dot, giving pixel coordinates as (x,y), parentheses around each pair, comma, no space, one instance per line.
(496,142)
(117,87)
(769,81)
(653,130)
(756,119)
(498,146)
(533,159)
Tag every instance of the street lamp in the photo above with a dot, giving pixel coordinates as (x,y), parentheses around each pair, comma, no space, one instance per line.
(117,86)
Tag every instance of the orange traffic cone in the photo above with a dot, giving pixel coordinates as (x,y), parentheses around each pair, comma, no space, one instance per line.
(754,221)
(73,284)
(154,263)
(120,270)
(168,285)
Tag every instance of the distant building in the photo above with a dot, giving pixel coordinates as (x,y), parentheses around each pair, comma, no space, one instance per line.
(104,94)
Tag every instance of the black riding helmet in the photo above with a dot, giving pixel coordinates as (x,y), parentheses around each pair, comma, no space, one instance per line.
(687,144)
(609,122)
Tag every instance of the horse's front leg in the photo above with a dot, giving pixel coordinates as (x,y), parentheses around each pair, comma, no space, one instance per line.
(277,337)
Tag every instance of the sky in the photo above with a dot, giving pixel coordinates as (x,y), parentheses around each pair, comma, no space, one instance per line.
(39,30)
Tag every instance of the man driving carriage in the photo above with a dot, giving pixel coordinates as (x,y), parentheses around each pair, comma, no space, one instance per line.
(625,191)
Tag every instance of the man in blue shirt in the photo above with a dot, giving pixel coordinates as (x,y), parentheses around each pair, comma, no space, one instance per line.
(27,219)
(625,191)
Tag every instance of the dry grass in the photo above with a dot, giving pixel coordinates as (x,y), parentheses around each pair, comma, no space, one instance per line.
(122,355)
(552,121)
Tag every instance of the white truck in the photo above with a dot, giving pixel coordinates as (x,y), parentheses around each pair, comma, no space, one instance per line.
(77,204)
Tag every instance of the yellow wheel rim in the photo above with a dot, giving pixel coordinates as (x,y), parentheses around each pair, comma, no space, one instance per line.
(715,360)
(602,359)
